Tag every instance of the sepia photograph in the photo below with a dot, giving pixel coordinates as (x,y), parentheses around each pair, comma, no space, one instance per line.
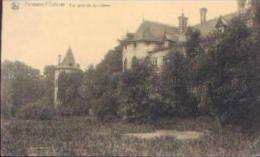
(130,78)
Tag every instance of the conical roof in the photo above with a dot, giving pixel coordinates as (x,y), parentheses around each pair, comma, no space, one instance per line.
(69,60)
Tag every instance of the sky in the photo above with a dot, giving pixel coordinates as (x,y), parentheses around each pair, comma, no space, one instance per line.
(40,30)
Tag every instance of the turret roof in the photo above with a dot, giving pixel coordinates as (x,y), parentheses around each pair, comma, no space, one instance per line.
(69,60)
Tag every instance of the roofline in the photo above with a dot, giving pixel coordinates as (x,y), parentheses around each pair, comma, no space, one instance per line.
(159,23)
(215,18)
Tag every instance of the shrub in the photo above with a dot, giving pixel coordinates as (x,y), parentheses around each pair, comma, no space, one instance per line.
(105,107)
(36,110)
(76,108)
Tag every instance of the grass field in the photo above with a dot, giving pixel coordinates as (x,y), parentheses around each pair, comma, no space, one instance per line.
(83,136)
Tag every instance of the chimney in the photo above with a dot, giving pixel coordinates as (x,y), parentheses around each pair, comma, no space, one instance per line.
(183,22)
(241,5)
(59,59)
(203,15)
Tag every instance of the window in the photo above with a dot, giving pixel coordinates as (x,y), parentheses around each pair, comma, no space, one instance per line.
(154,61)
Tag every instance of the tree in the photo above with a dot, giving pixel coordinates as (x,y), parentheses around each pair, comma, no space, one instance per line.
(255,83)
(112,61)
(231,90)
(48,82)
(100,85)
(70,95)
(49,71)
(101,92)
(69,84)
(21,84)
(193,44)
(175,85)
(138,92)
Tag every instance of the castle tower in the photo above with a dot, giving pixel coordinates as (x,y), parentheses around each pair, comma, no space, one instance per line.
(67,65)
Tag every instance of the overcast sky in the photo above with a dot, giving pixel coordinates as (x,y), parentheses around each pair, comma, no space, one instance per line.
(37,33)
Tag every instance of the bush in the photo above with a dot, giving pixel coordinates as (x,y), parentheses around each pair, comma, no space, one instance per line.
(76,108)
(106,106)
(36,110)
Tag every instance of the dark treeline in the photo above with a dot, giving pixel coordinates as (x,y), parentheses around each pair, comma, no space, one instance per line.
(222,82)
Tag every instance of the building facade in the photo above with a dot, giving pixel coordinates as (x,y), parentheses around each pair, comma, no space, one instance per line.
(156,40)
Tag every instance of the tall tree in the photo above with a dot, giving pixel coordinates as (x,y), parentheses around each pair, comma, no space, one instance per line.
(137,92)
(21,84)
(233,71)
(175,85)
(193,44)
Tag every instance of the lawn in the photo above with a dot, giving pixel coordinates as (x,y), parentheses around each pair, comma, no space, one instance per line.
(84,136)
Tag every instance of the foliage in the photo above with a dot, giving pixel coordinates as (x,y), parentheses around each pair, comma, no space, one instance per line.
(49,71)
(70,94)
(112,60)
(69,86)
(21,84)
(137,90)
(193,44)
(233,77)
(48,81)
(101,92)
(176,84)
(77,107)
(37,110)
(100,85)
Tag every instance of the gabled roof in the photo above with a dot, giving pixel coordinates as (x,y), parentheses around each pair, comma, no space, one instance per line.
(209,26)
(157,32)
(221,22)
(69,60)
(154,31)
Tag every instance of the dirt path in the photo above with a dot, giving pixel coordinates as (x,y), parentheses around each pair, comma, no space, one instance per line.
(180,135)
